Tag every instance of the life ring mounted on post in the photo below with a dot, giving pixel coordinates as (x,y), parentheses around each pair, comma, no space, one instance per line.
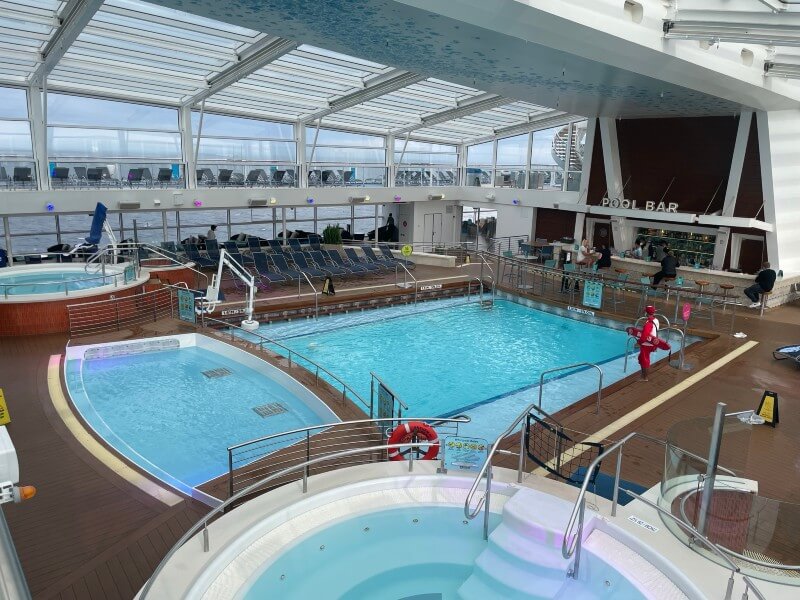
(413,431)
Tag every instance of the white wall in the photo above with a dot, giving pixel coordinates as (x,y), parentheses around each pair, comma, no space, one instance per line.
(779,147)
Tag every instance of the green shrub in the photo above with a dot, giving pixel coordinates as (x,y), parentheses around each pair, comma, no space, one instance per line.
(332,234)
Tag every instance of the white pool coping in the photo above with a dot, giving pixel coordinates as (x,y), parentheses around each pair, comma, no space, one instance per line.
(245,540)
(111,270)
(128,347)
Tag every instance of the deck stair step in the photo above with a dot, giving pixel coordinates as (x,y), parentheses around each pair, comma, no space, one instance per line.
(523,557)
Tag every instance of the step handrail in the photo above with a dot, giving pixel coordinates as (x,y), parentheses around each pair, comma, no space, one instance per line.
(576,518)
(486,471)
(203,522)
(575,366)
(318,367)
(406,273)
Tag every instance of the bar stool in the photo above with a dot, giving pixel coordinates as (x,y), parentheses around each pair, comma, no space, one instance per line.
(618,290)
(764,297)
(725,287)
(645,281)
(675,282)
(700,307)
(569,283)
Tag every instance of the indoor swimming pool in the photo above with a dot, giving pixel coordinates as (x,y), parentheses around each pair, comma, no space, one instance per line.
(173,405)
(448,357)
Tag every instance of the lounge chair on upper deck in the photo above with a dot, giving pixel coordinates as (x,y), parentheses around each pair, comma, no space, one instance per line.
(387,254)
(790,352)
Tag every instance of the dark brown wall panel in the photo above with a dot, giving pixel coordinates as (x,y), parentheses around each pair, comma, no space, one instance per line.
(597,174)
(696,151)
(554,224)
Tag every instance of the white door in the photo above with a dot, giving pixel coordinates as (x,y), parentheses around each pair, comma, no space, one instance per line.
(432,230)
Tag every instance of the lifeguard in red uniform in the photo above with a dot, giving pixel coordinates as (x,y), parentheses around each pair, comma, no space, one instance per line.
(648,339)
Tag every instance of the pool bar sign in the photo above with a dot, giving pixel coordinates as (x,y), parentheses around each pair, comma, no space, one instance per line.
(593,294)
(464,453)
(651,205)
(186,306)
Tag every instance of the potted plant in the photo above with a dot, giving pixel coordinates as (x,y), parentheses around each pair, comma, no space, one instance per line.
(332,235)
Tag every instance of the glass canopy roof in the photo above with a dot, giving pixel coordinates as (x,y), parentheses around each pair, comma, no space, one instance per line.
(138,51)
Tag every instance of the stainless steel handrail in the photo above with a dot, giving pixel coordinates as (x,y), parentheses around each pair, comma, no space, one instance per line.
(316,293)
(406,271)
(576,365)
(486,471)
(203,523)
(718,550)
(265,340)
(576,517)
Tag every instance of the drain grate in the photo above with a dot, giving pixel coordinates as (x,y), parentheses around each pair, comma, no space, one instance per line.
(214,373)
(269,410)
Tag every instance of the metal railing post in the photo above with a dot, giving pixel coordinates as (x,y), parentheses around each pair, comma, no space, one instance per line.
(711,468)
(230,473)
(615,493)
(523,434)
(487,501)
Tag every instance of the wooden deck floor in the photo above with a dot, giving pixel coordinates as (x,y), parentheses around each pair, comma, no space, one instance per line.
(90,534)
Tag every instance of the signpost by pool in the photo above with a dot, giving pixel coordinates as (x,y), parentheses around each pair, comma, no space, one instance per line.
(186,310)
(687,312)
(464,453)
(593,294)
(406,250)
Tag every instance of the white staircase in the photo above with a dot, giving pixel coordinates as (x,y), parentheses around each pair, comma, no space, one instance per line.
(523,558)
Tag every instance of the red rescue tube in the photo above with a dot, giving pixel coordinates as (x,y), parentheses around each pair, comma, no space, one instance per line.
(405,434)
(656,342)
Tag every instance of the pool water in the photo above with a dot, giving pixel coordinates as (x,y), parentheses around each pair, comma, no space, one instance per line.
(423,551)
(163,413)
(50,282)
(451,356)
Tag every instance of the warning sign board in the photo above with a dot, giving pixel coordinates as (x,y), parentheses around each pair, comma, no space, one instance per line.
(5,418)
(768,408)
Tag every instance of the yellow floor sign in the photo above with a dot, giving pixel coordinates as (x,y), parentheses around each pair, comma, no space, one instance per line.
(768,408)
(5,418)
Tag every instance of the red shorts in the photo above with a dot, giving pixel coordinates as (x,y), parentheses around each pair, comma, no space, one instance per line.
(644,356)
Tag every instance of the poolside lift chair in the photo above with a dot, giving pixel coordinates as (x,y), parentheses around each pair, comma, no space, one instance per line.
(387,254)
(212,298)
(99,225)
(790,352)
(353,256)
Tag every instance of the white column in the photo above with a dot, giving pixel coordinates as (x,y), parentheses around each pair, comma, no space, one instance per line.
(187,145)
(302,167)
(608,135)
(778,132)
(37,116)
(737,162)
(390,166)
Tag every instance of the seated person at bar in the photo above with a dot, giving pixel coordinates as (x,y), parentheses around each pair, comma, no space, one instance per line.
(605,257)
(668,265)
(765,281)
(638,249)
(660,251)
(585,256)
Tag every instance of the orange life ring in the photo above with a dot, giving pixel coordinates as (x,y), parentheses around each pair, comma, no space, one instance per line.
(406,432)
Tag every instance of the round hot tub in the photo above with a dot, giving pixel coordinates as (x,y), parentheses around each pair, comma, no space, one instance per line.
(34,298)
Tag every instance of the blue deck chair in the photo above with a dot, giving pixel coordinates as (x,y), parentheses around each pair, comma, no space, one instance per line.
(254,244)
(265,270)
(279,260)
(315,242)
(370,254)
(194,255)
(301,263)
(327,264)
(212,249)
(232,249)
(337,259)
(353,256)
(387,254)
(294,244)
(275,246)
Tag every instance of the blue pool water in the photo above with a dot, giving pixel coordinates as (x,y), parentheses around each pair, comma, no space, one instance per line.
(451,356)
(160,411)
(385,554)
(49,282)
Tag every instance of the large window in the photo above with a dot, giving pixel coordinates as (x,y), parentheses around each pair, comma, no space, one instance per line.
(512,155)
(16,149)
(93,142)
(240,152)
(424,163)
(480,159)
(341,158)
(547,158)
